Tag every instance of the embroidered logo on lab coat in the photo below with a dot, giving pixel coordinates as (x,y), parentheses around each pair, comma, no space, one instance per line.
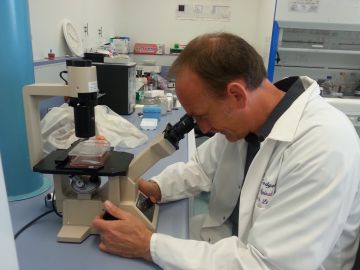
(266,192)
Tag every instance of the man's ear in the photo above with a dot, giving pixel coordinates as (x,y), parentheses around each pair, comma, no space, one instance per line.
(237,92)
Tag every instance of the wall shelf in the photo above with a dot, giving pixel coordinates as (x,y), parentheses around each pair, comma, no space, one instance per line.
(307,50)
(314,66)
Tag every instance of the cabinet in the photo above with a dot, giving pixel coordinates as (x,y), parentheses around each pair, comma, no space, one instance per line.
(319,53)
(318,39)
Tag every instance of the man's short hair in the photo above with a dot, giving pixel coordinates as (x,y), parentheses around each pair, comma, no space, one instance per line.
(219,58)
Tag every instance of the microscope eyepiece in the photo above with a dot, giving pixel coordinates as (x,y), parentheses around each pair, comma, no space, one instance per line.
(177,132)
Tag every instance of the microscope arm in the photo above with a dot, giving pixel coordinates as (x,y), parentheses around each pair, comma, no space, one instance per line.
(159,149)
(163,145)
(33,94)
(82,81)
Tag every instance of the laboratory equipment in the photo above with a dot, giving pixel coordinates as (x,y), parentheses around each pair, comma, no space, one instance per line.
(90,153)
(149,123)
(118,83)
(151,111)
(328,87)
(156,98)
(79,191)
(149,48)
(81,88)
(120,44)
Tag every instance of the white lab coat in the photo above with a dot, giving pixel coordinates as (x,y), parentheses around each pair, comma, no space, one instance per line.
(299,206)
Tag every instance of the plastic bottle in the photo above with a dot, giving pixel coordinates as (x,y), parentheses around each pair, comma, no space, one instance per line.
(154,80)
(145,82)
(342,87)
(328,86)
(51,55)
(150,82)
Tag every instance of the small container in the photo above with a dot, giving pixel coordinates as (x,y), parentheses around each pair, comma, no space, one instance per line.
(328,87)
(170,102)
(156,97)
(152,111)
(91,153)
(175,99)
(51,55)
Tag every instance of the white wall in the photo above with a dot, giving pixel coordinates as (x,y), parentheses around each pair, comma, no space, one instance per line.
(264,19)
(46,20)
(155,21)
(143,21)
(49,74)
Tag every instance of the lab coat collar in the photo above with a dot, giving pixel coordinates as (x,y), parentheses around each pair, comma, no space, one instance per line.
(285,127)
(293,87)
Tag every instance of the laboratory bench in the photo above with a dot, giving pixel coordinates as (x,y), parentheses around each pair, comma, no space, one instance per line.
(37,247)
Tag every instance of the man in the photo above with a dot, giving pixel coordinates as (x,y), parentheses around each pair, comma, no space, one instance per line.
(292,157)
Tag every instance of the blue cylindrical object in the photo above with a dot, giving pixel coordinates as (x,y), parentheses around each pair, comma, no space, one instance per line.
(17,70)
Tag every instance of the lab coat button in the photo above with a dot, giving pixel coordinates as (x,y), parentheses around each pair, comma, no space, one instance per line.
(224,218)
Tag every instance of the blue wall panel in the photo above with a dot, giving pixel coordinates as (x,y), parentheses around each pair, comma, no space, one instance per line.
(16,70)
(273,50)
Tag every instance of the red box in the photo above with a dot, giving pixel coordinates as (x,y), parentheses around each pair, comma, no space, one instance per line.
(149,48)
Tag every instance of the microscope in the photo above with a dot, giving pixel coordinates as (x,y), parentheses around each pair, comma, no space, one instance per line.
(81,191)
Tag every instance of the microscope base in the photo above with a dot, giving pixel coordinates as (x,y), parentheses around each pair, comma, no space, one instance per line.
(77,218)
(79,214)
(73,233)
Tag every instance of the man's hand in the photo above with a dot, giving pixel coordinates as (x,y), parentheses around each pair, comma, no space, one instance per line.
(150,189)
(127,237)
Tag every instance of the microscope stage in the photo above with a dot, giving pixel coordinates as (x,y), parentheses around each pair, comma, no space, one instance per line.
(57,162)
